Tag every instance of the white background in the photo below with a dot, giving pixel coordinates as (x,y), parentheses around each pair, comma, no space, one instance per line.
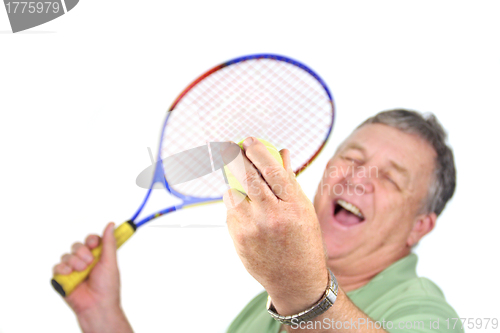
(83,96)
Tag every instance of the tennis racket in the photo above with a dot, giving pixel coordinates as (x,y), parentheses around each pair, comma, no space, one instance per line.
(268,96)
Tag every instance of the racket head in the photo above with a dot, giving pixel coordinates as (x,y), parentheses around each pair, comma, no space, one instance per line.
(268,96)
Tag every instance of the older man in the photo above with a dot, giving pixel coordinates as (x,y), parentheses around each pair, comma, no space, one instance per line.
(343,264)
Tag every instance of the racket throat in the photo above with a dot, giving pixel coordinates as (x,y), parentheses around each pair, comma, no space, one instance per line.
(159,175)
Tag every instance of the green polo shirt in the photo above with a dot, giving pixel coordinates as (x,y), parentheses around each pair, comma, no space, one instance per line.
(397,296)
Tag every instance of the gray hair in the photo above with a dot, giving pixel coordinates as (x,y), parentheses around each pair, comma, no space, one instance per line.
(427,127)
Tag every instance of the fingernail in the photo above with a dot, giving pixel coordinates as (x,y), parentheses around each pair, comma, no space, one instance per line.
(88,259)
(247,142)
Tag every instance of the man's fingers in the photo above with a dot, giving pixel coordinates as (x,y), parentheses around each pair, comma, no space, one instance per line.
(248,176)
(108,255)
(82,252)
(92,241)
(74,262)
(62,269)
(272,170)
(233,198)
(287,162)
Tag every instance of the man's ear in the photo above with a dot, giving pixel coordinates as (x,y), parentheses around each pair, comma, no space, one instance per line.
(423,224)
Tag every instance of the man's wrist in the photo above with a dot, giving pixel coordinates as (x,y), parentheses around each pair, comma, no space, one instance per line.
(320,307)
(110,319)
(291,301)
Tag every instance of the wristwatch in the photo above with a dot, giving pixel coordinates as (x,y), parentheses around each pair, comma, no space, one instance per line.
(317,309)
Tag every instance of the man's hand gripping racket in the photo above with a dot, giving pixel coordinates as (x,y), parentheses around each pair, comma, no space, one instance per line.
(271,97)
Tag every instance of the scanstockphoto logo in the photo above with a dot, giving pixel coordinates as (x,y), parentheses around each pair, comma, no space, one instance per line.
(25,15)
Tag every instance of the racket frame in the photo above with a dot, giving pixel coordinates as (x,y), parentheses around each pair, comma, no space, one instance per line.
(159,175)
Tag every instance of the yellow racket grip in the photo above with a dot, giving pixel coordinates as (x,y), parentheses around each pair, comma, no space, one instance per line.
(65,284)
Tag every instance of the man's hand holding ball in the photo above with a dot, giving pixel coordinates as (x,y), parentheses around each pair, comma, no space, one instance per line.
(274,227)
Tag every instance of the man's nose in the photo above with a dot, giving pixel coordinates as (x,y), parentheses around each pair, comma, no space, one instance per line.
(360,182)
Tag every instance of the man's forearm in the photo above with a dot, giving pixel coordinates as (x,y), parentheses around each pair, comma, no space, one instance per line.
(342,317)
(107,320)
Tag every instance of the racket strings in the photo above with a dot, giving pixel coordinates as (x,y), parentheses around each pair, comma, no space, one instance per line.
(280,83)
(307,98)
(244,103)
(275,100)
(296,85)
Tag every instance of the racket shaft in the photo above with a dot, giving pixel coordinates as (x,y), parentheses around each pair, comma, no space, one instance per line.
(65,284)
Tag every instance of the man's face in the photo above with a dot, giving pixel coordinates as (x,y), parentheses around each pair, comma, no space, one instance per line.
(372,191)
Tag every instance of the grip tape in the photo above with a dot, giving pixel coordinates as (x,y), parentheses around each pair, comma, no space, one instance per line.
(65,284)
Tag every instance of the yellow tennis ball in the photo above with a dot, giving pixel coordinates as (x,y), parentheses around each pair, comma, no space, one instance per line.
(233,182)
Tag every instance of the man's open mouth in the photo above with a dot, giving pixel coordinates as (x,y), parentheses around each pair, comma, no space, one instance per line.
(346,213)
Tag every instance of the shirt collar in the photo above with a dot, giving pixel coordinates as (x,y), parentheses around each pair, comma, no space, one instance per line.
(402,270)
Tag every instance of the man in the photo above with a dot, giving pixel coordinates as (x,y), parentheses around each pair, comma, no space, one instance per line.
(343,264)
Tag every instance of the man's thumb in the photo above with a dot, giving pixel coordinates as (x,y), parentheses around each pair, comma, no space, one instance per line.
(108,255)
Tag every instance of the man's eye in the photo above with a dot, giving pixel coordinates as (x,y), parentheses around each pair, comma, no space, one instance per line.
(351,159)
(392,181)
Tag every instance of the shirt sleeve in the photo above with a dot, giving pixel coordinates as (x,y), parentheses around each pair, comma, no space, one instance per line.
(254,318)
(422,312)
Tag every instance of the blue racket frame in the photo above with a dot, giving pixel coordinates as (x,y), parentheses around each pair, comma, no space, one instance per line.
(159,175)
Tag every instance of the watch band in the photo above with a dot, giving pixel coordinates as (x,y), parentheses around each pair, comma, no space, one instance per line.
(317,309)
